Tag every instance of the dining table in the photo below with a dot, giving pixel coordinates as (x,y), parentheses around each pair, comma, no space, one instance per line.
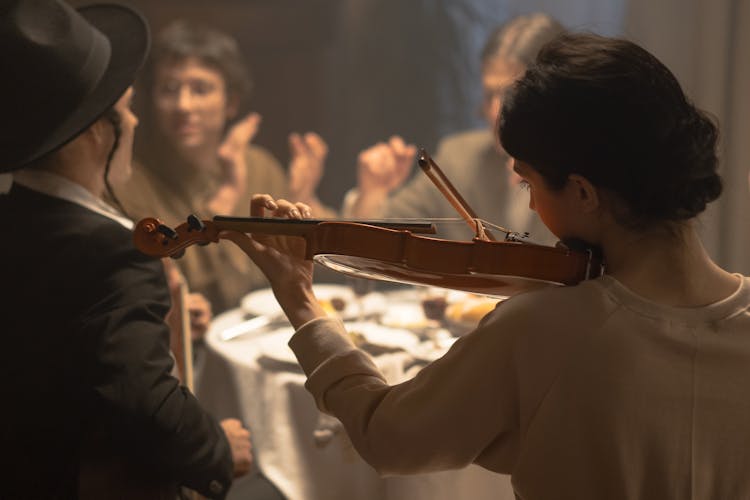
(247,371)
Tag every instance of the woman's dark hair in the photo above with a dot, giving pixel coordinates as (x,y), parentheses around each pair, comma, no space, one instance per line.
(608,110)
(183,39)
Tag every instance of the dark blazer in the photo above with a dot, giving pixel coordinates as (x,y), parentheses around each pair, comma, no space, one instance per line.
(85,352)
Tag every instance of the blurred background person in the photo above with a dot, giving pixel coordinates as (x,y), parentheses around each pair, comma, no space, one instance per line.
(472,160)
(190,160)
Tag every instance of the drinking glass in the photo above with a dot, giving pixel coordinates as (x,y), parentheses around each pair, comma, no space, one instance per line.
(361,288)
(434,303)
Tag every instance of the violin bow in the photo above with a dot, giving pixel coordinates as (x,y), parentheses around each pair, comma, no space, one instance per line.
(446,187)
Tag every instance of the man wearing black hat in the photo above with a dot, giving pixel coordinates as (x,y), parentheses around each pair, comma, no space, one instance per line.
(90,407)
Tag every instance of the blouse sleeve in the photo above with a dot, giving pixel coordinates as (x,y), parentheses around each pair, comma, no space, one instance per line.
(444,418)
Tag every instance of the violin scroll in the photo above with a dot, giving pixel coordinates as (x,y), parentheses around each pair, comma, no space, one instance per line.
(156,239)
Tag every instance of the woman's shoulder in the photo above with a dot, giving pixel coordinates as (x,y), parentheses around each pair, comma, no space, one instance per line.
(553,308)
(544,324)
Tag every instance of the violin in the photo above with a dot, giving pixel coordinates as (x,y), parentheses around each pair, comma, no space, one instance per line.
(390,251)
(400,251)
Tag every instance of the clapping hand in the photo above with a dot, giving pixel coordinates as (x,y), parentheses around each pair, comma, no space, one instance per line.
(381,169)
(385,166)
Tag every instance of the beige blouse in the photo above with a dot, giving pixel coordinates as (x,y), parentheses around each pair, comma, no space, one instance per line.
(221,272)
(585,392)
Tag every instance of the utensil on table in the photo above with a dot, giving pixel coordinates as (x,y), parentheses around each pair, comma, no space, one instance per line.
(255,325)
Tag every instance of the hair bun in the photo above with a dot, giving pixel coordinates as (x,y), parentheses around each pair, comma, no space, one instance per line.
(608,110)
(693,159)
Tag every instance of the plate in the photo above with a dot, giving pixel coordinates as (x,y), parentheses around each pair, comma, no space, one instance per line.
(405,315)
(431,350)
(383,336)
(263,303)
(275,346)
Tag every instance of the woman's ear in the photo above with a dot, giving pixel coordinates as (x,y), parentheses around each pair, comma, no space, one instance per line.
(584,193)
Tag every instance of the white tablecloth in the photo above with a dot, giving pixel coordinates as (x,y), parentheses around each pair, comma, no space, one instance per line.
(305,453)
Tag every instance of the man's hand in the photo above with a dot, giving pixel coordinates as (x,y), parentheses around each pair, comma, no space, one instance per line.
(380,169)
(239,442)
(199,308)
(385,166)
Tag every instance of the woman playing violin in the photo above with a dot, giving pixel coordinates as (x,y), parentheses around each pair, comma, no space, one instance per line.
(631,385)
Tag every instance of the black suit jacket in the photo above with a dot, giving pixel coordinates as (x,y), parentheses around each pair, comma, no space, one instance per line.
(85,351)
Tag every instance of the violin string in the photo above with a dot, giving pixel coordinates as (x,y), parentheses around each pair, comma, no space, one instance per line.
(490,225)
(454,221)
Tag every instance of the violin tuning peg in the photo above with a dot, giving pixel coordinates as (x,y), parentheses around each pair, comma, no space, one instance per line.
(167,231)
(194,223)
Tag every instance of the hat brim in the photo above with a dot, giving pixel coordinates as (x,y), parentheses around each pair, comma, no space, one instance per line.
(129,40)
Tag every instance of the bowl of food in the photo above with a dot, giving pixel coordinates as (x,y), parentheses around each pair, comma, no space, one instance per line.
(464,315)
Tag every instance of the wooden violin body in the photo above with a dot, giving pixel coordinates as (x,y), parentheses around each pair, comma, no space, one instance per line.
(389,251)
(500,268)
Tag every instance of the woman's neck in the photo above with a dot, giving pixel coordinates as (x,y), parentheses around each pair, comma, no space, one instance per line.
(670,267)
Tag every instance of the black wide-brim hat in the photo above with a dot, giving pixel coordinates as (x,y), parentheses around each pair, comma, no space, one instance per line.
(62,69)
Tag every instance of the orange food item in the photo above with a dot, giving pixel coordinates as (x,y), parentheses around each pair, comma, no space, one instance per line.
(471,310)
(333,306)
